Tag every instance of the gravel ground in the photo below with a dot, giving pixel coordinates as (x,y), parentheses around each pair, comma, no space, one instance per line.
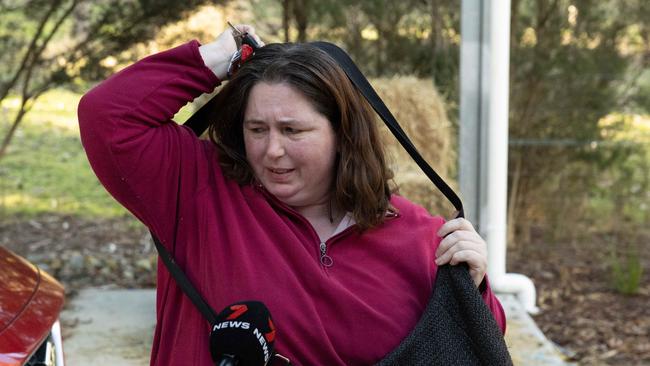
(82,253)
(580,310)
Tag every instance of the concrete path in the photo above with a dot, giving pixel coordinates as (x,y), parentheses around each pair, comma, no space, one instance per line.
(526,342)
(109,327)
(115,327)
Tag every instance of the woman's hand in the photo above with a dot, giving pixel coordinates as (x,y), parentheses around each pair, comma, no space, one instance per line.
(461,243)
(217,54)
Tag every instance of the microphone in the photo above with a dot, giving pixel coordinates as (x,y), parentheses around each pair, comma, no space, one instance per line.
(243,334)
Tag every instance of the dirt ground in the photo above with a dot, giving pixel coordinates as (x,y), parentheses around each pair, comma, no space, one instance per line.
(580,311)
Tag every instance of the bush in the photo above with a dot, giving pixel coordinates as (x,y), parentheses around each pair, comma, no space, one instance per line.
(626,271)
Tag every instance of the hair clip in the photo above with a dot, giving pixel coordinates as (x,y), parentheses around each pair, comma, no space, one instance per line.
(246,47)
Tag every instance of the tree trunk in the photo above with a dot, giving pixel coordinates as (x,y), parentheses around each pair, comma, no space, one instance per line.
(29,55)
(12,130)
(30,63)
(354,39)
(286,18)
(438,43)
(301,15)
(513,201)
(514,21)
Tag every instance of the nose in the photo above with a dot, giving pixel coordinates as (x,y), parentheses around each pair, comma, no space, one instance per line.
(275,145)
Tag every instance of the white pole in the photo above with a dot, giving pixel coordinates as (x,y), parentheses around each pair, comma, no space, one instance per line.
(469,149)
(494,220)
(483,173)
(497,134)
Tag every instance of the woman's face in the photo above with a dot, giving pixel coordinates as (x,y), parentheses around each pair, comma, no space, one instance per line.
(290,146)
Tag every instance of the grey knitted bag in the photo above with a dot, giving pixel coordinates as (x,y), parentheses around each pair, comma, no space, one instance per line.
(457,328)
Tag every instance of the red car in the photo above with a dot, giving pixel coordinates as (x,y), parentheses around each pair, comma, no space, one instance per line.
(30,303)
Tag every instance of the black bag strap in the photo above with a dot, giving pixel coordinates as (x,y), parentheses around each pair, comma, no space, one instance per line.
(198,123)
(183,282)
(360,81)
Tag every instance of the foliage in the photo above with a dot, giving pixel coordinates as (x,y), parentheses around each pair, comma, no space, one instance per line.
(623,189)
(47,170)
(398,37)
(48,44)
(572,66)
(626,271)
(411,37)
(569,72)
(579,71)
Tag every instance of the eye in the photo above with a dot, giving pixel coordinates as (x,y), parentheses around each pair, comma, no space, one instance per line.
(256,130)
(290,130)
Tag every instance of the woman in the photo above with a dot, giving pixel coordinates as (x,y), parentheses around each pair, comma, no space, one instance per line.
(287,203)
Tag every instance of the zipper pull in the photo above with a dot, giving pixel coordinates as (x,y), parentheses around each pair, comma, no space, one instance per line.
(325,259)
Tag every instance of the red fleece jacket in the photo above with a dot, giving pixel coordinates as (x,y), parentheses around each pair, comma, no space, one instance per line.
(239,243)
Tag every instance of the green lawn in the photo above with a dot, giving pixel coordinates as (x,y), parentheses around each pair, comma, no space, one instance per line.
(46,169)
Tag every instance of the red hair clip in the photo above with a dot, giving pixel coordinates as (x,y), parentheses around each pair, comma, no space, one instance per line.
(247,47)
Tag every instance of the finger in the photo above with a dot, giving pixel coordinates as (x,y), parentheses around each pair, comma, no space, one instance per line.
(477,277)
(447,255)
(453,225)
(477,264)
(446,243)
(245,28)
(258,40)
(474,260)
(452,239)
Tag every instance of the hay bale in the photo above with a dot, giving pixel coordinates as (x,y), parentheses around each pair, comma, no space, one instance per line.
(421,112)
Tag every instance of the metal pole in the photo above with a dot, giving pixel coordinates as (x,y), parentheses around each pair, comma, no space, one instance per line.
(493,223)
(483,155)
(470,108)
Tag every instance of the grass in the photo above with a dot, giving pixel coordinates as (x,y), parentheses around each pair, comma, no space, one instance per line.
(626,271)
(45,169)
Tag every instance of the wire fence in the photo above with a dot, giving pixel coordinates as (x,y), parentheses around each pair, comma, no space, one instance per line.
(567,188)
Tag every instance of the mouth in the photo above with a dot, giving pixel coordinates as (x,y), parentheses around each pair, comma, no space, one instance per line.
(279,170)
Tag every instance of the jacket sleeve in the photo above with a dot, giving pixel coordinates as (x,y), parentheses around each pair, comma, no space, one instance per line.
(138,153)
(493,304)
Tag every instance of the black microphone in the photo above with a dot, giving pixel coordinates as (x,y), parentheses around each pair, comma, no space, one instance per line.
(243,334)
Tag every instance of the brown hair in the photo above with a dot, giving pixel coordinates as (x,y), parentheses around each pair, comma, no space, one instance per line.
(362,175)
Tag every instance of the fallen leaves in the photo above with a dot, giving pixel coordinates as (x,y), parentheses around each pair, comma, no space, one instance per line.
(580,310)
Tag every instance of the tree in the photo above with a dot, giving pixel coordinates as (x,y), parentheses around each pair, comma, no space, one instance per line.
(385,37)
(570,68)
(572,64)
(49,44)
(298,11)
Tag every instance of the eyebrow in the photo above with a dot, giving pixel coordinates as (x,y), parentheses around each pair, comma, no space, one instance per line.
(282,123)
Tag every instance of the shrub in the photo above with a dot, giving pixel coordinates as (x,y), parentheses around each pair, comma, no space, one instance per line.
(626,271)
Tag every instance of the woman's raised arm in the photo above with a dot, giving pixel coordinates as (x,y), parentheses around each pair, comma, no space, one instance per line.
(135,149)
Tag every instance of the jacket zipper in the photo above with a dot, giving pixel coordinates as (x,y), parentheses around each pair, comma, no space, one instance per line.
(325,260)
